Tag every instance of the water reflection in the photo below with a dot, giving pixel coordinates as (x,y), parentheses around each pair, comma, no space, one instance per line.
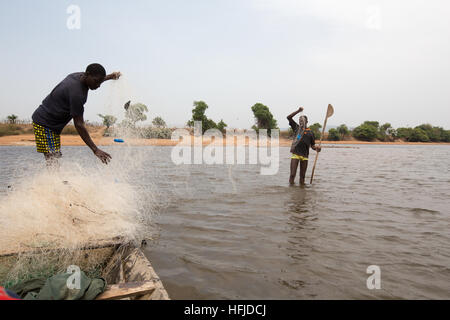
(299,245)
(300,222)
(298,197)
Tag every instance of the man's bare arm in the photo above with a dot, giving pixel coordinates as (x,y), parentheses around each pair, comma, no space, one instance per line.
(112,76)
(84,134)
(293,114)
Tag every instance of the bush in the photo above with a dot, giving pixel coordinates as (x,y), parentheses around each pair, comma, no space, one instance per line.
(367,131)
(404,133)
(375,124)
(424,133)
(333,135)
(159,122)
(221,126)
(435,134)
(343,131)
(10,130)
(386,132)
(445,136)
(315,128)
(156,133)
(108,120)
(419,135)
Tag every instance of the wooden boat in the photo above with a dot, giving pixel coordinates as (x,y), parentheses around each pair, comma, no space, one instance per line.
(125,268)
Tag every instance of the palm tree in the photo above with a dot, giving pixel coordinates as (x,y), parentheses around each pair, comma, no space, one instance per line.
(12,118)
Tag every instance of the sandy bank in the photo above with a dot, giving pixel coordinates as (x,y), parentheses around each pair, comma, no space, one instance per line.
(74,140)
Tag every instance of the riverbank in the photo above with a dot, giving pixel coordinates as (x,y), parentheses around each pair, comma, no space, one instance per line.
(75,140)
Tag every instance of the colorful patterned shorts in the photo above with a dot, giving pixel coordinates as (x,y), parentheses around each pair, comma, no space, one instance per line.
(47,141)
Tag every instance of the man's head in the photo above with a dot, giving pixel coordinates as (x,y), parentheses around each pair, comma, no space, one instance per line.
(303,121)
(94,75)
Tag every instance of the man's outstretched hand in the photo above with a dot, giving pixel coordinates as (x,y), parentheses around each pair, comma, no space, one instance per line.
(115,75)
(103,156)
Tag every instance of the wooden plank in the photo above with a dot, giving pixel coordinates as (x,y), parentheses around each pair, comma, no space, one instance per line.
(138,268)
(125,290)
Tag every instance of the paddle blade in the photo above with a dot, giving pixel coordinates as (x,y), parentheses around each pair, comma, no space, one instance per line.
(330,111)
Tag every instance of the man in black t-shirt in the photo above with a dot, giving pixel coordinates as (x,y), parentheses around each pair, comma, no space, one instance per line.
(303,139)
(64,103)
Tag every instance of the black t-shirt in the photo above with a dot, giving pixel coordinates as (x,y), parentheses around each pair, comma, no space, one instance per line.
(307,140)
(62,104)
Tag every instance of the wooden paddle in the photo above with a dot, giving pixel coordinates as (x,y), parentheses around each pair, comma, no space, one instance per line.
(330,112)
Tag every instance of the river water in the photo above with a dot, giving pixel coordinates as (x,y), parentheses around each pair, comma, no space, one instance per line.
(227,232)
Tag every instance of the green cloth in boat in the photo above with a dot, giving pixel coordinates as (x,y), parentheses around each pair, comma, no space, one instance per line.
(56,288)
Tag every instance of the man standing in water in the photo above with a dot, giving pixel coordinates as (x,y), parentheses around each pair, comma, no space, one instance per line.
(64,103)
(303,139)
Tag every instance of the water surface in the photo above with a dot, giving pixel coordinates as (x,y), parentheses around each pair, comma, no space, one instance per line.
(227,232)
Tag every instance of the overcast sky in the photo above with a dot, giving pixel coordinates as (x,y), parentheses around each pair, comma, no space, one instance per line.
(373,60)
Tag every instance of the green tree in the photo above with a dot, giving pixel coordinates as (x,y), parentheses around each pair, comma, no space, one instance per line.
(368,131)
(108,120)
(211,124)
(392,133)
(419,135)
(198,114)
(425,127)
(333,135)
(315,128)
(383,130)
(134,113)
(159,122)
(375,124)
(435,134)
(263,118)
(445,136)
(221,126)
(343,131)
(404,133)
(12,118)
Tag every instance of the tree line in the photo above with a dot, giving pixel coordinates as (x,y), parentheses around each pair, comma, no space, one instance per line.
(373,131)
(367,131)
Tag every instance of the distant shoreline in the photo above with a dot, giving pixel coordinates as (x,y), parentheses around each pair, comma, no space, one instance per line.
(74,140)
